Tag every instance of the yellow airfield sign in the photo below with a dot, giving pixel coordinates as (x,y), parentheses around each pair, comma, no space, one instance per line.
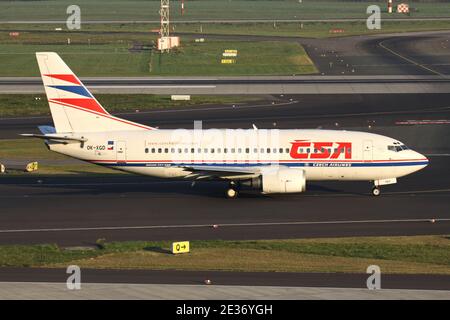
(180,247)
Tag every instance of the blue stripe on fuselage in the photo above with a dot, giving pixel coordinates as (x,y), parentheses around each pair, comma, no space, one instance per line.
(293,164)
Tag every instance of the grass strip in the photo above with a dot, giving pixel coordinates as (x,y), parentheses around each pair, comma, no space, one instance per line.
(417,254)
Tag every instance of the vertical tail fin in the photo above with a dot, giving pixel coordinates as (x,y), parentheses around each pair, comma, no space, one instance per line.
(73,107)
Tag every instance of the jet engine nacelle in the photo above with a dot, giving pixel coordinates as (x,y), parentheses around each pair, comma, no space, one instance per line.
(279,180)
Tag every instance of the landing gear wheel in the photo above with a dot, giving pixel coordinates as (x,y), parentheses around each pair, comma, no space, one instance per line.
(231,193)
(376,191)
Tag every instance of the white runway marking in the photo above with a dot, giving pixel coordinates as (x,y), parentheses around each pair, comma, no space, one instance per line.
(250,224)
(239,106)
(181,86)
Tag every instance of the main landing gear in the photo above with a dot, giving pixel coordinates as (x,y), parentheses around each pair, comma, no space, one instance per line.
(232,190)
(376,191)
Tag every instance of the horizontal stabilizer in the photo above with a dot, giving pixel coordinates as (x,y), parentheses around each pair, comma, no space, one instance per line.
(47,129)
(54,137)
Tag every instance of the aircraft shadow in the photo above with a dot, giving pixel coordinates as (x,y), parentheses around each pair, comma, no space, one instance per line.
(129,185)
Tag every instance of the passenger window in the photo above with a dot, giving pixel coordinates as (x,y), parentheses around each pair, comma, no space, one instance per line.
(199,150)
(212,150)
(219,150)
(255,150)
(153,150)
(166,150)
(247,150)
(262,150)
(146,150)
(281,150)
(274,150)
(239,150)
(233,150)
(192,150)
(205,150)
(268,150)
(225,150)
(159,150)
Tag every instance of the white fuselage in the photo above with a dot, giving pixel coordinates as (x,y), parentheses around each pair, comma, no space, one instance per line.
(322,154)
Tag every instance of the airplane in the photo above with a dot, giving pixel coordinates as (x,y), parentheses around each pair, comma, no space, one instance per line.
(267,160)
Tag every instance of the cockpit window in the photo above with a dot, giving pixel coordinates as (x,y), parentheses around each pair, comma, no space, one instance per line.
(397,148)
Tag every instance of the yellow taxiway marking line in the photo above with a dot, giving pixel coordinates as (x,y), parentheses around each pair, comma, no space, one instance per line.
(409,60)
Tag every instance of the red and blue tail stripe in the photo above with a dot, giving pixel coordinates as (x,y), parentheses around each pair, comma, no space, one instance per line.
(79,90)
(65,77)
(75,95)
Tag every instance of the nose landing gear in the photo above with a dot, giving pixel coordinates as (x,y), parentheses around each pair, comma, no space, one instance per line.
(382,182)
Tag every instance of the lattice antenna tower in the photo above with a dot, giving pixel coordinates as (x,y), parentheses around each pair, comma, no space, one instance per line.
(164,13)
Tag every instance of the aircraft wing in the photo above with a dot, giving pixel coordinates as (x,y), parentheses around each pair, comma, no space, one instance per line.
(222,172)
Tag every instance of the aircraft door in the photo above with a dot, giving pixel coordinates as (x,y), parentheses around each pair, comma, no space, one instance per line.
(367,150)
(121,151)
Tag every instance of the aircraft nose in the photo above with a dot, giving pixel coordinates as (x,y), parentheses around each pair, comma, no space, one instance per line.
(426,160)
(422,159)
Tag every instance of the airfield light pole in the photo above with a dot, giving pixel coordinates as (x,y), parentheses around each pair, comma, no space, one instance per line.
(182,7)
(389,6)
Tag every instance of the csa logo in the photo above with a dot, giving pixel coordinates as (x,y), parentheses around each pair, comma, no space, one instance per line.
(320,150)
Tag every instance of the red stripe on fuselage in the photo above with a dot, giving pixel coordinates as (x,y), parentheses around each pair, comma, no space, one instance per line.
(264,161)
